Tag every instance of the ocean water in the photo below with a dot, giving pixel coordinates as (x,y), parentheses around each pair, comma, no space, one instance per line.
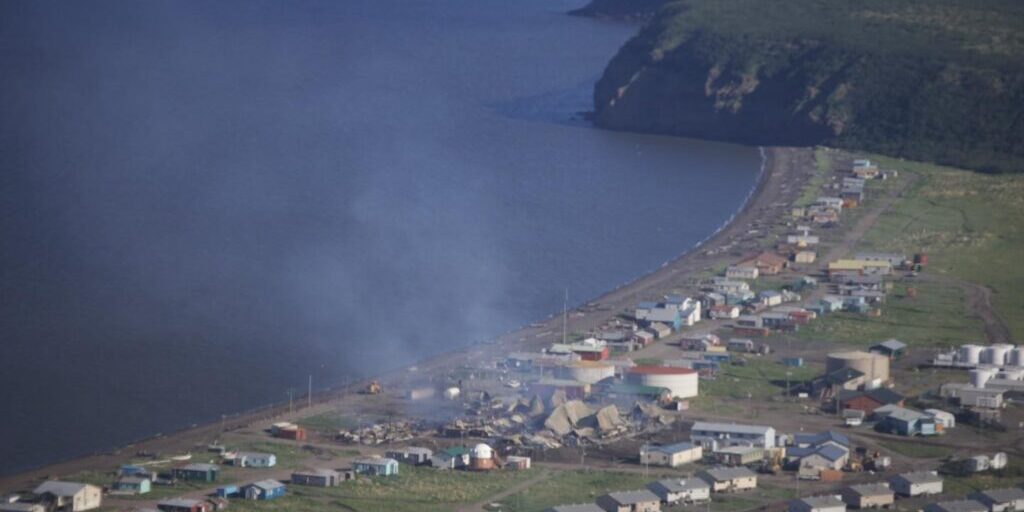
(202,203)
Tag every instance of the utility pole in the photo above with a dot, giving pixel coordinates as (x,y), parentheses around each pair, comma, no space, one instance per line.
(290,402)
(309,394)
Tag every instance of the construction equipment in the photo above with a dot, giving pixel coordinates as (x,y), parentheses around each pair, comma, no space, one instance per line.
(772,463)
(373,388)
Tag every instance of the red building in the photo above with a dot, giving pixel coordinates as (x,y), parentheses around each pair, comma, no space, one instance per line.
(295,433)
(868,400)
(591,353)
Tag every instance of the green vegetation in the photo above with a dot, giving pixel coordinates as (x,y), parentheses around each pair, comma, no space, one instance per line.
(289,454)
(935,317)
(765,494)
(759,379)
(413,490)
(930,80)
(572,487)
(329,422)
(812,189)
(917,449)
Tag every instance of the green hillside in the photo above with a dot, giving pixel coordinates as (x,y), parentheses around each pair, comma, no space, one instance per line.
(932,80)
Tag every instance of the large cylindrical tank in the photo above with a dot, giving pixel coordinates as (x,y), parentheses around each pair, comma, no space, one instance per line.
(680,382)
(481,457)
(873,366)
(1010,373)
(589,372)
(996,354)
(970,354)
(1016,357)
(979,376)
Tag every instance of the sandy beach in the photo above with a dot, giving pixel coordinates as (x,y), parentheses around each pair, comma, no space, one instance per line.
(784,172)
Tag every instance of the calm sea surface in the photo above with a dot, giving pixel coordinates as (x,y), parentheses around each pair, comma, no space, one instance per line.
(203,202)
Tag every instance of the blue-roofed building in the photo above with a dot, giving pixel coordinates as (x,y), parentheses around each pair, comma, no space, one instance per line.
(671,455)
(263,490)
(905,422)
(812,453)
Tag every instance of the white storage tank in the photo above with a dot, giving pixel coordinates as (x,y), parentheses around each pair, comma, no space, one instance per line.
(996,354)
(681,382)
(1011,373)
(970,354)
(979,376)
(1016,357)
(589,372)
(998,461)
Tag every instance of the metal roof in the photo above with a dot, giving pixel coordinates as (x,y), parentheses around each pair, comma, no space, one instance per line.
(832,452)
(671,448)
(583,507)
(919,477)
(823,501)
(724,473)
(180,502)
(200,466)
(59,488)
(874,489)
(892,345)
(631,497)
(266,485)
(821,438)
(732,428)
(958,506)
(1006,495)
(677,485)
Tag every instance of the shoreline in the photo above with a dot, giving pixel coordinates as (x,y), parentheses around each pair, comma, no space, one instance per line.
(774,177)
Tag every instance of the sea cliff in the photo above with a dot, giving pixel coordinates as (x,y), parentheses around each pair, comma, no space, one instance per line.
(935,80)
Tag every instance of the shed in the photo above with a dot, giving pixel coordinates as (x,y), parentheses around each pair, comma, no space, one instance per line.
(956,506)
(674,491)
(892,348)
(412,455)
(671,455)
(724,479)
(630,501)
(317,477)
(183,505)
(133,484)
(1010,499)
(875,495)
(198,472)
(376,466)
(827,503)
(263,490)
(70,496)
(916,483)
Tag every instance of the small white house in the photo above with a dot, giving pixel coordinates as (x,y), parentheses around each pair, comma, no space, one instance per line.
(918,483)
(254,460)
(736,272)
(70,496)
(946,419)
(671,455)
(818,504)
(673,491)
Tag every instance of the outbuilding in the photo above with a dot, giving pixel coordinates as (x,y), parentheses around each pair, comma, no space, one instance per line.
(316,477)
(70,496)
(412,455)
(263,490)
(827,503)
(876,495)
(198,472)
(133,485)
(375,466)
(1010,499)
(956,506)
(728,434)
(630,501)
(254,460)
(183,505)
(673,491)
(671,455)
(723,479)
(917,483)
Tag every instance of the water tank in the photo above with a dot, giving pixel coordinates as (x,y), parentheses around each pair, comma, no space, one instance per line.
(979,376)
(996,354)
(998,461)
(970,354)
(873,366)
(1016,357)
(1010,373)
(589,372)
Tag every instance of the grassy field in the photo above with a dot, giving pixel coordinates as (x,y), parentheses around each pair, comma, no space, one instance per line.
(934,318)
(413,490)
(329,422)
(760,379)
(916,449)
(572,487)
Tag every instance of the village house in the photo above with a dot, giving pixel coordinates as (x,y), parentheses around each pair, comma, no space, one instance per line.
(702,342)
(737,455)
(731,434)
(456,457)
(1010,499)
(874,495)
(905,422)
(671,455)
(727,311)
(827,503)
(582,507)
(868,400)
(956,506)
(184,505)
(517,462)
(743,345)
(643,337)
(263,490)
(630,501)
(863,267)
(287,430)
(674,491)
(829,202)
(802,240)
(69,496)
(770,298)
(804,256)
(723,479)
(375,466)
(766,263)
(896,260)
(740,272)
(317,477)
(412,455)
(254,460)
(197,472)
(916,483)
(814,453)
(132,485)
